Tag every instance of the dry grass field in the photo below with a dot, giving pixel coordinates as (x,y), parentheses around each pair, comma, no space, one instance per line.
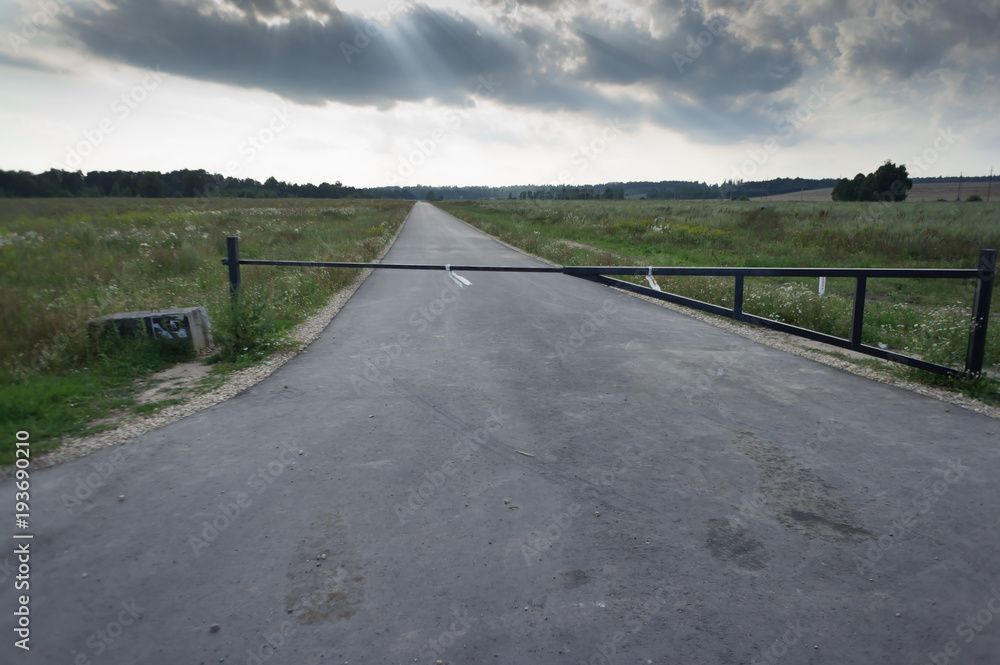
(65,261)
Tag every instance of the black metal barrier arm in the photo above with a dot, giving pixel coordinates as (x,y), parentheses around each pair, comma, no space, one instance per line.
(984,276)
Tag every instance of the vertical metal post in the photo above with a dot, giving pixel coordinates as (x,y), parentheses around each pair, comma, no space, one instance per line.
(858,320)
(981,311)
(233,261)
(738,296)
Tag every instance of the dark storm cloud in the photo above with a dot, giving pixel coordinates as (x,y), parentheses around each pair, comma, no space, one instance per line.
(302,59)
(710,68)
(921,35)
(701,58)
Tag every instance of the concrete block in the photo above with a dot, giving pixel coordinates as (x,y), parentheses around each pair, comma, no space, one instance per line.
(187,323)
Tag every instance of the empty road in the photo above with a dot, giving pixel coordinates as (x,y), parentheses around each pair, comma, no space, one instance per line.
(687,496)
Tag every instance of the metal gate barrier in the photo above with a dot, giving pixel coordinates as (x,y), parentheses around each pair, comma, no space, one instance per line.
(983,276)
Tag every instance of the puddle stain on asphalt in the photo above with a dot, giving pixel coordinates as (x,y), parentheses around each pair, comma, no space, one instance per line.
(796,495)
(325,579)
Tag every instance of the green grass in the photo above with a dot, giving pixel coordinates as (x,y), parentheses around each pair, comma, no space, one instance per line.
(925,318)
(66,261)
(50,406)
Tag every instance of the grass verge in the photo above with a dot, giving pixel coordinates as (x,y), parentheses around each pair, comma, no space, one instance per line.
(66,261)
(51,406)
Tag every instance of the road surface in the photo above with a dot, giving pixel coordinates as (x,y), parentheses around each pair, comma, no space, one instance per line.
(686,496)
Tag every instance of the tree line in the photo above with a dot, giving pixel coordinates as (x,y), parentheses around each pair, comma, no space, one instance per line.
(889,182)
(184,183)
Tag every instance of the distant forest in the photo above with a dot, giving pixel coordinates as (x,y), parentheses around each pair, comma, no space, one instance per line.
(200,183)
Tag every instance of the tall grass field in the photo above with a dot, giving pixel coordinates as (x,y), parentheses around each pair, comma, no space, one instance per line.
(64,262)
(925,318)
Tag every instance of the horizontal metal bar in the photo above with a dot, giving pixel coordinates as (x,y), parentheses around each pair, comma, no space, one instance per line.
(395,266)
(832,340)
(935,273)
(662,295)
(583,271)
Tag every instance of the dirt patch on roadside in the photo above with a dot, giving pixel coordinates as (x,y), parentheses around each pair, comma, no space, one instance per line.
(174,382)
(577,245)
(572,244)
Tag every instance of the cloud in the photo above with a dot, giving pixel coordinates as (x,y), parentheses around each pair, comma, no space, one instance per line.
(716,70)
(899,42)
(415,54)
(29,64)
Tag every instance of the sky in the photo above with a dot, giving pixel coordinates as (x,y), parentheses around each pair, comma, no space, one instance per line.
(501,92)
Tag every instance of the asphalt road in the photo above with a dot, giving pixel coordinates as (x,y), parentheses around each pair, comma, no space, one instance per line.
(690,497)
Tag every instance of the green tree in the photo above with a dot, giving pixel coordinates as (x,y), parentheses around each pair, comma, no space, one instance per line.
(888,183)
(847,190)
